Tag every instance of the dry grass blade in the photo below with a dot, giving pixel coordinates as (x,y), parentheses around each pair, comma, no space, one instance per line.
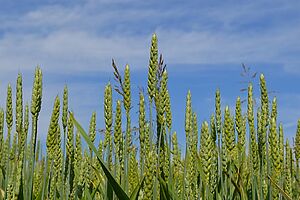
(280,189)
(254,75)
(2,193)
(116,88)
(118,78)
(236,186)
(161,69)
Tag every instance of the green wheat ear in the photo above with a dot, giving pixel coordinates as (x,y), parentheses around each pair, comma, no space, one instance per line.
(213,130)
(206,152)
(36,99)
(133,171)
(142,126)
(25,127)
(218,112)
(1,135)
(69,150)
(149,176)
(9,109)
(127,89)
(297,142)
(36,102)
(274,109)
(229,133)
(65,108)
(253,144)
(262,131)
(92,129)
(1,120)
(188,114)
(264,118)
(153,66)
(77,152)
(239,124)
(52,138)
(287,169)
(168,111)
(107,114)
(275,157)
(281,146)
(19,110)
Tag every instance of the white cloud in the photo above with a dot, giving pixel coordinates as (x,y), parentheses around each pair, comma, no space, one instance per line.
(65,51)
(69,38)
(292,67)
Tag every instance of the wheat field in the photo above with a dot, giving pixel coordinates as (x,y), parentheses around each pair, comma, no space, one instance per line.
(238,154)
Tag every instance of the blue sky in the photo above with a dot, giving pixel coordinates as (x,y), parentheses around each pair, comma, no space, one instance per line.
(203,43)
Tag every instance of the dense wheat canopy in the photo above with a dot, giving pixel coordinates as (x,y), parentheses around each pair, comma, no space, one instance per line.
(237,154)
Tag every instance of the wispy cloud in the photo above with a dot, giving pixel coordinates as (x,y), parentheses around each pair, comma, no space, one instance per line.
(66,50)
(86,36)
